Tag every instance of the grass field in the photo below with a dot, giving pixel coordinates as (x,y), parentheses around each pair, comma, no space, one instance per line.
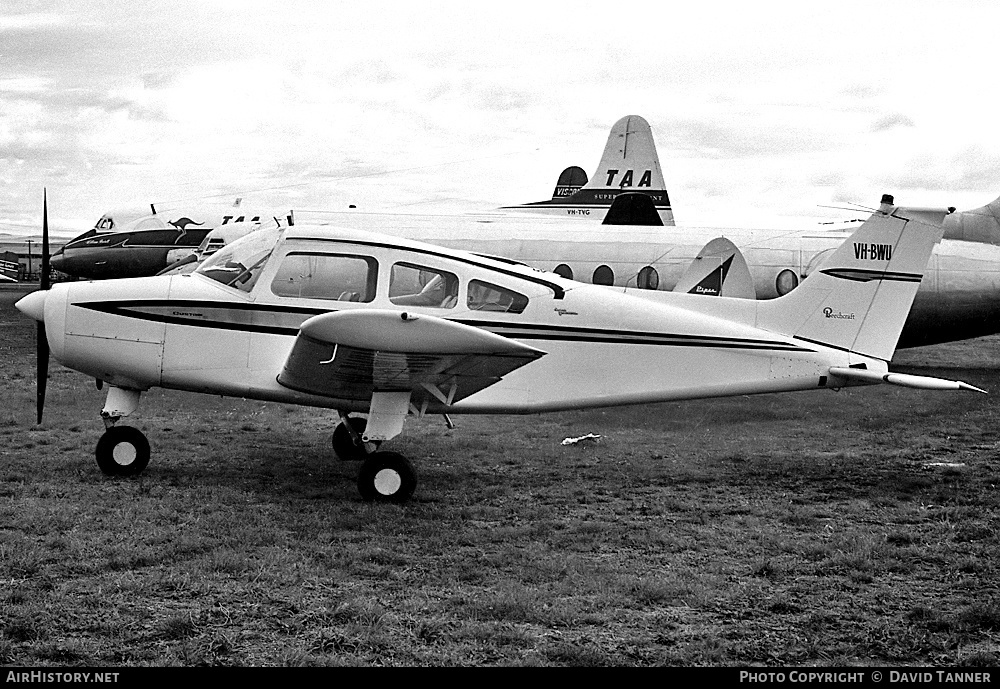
(818,528)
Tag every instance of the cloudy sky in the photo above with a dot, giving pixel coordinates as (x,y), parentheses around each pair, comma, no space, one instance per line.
(763,113)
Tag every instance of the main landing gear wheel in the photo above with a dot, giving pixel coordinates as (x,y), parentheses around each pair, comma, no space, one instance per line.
(344,444)
(386,477)
(122,451)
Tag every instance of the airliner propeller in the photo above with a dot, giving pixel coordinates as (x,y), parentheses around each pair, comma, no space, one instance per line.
(42,344)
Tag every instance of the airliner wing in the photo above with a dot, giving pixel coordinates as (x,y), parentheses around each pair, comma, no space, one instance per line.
(353,354)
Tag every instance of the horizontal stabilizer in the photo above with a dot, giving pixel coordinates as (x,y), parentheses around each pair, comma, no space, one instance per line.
(632,208)
(905,380)
(719,270)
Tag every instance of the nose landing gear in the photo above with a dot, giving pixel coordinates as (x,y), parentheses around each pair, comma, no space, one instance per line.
(122,450)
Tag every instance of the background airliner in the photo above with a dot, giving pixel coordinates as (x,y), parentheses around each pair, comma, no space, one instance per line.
(959,296)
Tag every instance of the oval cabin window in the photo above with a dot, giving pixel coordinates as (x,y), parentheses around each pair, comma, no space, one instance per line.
(604,276)
(563,270)
(648,278)
(786,281)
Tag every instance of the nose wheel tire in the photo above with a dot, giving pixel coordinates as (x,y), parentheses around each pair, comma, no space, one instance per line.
(344,445)
(387,477)
(122,451)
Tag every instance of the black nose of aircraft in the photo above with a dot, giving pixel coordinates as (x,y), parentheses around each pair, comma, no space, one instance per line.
(57,261)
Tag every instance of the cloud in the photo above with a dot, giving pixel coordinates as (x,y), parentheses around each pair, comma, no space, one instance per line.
(891,122)
(777,106)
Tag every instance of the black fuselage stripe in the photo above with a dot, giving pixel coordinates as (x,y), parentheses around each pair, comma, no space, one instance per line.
(605,331)
(865,275)
(532,331)
(837,347)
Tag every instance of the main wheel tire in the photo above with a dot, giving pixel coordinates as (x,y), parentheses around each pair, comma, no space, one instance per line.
(343,444)
(122,451)
(386,477)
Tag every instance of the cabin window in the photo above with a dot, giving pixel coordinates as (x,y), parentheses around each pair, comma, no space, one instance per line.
(484,296)
(414,285)
(564,270)
(648,278)
(603,275)
(786,281)
(338,277)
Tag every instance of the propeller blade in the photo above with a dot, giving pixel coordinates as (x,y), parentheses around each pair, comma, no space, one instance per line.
(45,283)
(41,371)
(42,343)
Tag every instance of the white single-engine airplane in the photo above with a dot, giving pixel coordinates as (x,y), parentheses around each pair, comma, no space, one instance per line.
(363,322)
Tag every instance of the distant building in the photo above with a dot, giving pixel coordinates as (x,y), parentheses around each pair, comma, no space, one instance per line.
(26,255)
(10,266)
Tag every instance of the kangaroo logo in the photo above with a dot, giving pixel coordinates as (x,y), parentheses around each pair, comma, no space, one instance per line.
(183,223)
(181,226)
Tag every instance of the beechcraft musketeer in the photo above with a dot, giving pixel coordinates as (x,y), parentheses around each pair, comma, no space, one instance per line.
(371,323)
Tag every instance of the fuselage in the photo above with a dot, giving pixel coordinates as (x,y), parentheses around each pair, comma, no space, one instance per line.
(99,255)
(145,245)
(192,332)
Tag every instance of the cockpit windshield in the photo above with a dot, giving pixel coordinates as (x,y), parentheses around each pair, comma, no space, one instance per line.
(149,222)
(239,264)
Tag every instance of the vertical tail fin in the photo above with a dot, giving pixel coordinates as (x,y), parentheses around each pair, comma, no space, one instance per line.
(860,298)
(571,180)
(629,158)
(719,270)
(630,163)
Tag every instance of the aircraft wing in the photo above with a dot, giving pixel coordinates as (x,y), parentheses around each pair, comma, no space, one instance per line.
(354,354)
